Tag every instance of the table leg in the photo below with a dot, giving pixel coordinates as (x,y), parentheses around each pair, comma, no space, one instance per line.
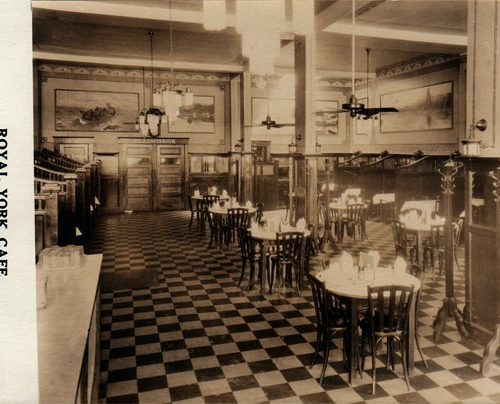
(410,352)
(353,340)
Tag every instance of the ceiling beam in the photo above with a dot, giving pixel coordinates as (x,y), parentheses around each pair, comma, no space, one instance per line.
(399,33)
(336,12)
(112,9)
(116,61)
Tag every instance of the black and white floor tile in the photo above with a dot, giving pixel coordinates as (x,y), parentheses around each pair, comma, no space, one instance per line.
(195,336)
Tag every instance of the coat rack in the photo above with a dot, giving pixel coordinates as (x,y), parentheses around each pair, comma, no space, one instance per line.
(449,307)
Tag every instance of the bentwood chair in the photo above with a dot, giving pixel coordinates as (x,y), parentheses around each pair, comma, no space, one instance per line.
(236,217)
(353,220)
(286,258)
(251,253)
(259,213)
(404,245)
(434,248)
(418,273)
(208,201)
(215,226)
(331,318)
(388,318)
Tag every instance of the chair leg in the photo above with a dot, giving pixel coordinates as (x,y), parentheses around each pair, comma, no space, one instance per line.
(418,346)
(374,369)
(403,356)
(319,335)
(243,267)
(326,355)
(250,277)
(191,220)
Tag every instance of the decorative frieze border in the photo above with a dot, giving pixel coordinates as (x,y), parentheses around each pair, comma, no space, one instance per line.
(414,65)
(54,70)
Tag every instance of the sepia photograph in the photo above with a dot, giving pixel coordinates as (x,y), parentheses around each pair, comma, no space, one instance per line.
(249,201)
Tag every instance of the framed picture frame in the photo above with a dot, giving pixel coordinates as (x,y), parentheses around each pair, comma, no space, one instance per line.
(95,111)
(281,110)
(326,119)
(196,118)
(423,108)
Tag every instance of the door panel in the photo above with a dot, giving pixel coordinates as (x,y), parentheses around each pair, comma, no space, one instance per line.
(170,177)
(137,169)
(152,176)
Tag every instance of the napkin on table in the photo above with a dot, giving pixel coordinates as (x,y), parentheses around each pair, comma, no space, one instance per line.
(196,192)
(301,224)
(248,204)
(400,265)
(224,192)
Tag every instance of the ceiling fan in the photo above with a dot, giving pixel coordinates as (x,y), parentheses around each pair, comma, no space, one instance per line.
(353,106)
(269,123)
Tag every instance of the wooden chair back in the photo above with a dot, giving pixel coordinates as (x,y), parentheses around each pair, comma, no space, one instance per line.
(388,308)
(289,247)
(209,200)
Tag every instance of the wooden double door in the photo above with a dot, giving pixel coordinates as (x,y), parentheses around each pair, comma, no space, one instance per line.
(152,176)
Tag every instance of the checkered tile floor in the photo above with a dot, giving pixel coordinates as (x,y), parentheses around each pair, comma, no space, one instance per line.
(198,337)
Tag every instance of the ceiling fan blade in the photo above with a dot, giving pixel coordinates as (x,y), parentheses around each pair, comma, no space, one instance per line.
(329,111)
(388,109)
(282,125)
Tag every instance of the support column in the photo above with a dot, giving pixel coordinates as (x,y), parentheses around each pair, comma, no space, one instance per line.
(305,75)
(247,162)
(70,209)
(51,235)
(490,351)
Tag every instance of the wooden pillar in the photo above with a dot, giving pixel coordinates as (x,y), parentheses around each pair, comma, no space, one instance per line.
(70,209)
(305,77)
(491,348)
(81,211)
(51,193)
(247,160)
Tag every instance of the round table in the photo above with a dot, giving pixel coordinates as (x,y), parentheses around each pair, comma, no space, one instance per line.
(421,231)
(200,197)
(267,238)
(222,210)
(346,284)
(338,210)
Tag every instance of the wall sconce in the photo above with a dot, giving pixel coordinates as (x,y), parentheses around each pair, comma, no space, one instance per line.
(318,148)
(292,147)
(237,147)
(471,147)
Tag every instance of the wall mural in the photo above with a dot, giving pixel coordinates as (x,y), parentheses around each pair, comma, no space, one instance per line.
(198,118)
(420,109)
(95,111)
(326,121)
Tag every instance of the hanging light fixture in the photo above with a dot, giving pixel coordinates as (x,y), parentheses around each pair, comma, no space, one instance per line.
(214,15)
(260,26)
(174,95)
(149,121)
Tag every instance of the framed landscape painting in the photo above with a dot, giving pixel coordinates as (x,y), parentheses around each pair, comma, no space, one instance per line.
(420,109)
(95,111)
(326,119)
(196,118)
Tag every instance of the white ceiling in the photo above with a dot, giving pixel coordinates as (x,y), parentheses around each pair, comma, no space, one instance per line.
(115,33)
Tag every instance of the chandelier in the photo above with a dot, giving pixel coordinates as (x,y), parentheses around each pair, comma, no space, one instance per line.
(260,27)
(172,96)
(150,120)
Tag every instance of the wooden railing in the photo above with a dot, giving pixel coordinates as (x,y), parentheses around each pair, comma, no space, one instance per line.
(67,200)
